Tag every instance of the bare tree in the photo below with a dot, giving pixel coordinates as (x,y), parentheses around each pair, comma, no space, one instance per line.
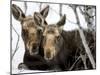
(83,57)
(87,49)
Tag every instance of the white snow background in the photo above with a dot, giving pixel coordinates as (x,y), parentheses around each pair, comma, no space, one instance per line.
(52,17)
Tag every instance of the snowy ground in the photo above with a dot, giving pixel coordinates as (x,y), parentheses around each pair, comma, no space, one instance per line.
(53,17)
(16,71)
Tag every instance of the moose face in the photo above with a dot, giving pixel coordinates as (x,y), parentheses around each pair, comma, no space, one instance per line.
(31,27)
(31,35)
(52,34)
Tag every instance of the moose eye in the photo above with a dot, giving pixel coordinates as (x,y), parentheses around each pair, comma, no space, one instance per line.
(39,30)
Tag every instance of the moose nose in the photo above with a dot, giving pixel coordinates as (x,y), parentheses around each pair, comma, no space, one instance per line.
(35,48)
(48,55)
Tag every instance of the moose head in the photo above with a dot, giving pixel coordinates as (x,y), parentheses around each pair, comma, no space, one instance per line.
(31,27)
(52,40)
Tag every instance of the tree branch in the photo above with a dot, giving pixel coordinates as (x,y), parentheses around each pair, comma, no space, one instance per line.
(16,48)
(88,16)
(25,4)
(40,6)
(83,57)
(74,63)
(60,9)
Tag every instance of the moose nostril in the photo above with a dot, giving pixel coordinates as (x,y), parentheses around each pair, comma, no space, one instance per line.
(35,50)
(34,47)
(48,54)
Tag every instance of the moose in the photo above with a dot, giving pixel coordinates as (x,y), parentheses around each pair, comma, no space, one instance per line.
(31,35)
(60,47)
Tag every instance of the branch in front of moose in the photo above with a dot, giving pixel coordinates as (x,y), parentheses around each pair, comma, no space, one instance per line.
(74,63)
(87,49)
(40,6)
(83,57)
(16,48)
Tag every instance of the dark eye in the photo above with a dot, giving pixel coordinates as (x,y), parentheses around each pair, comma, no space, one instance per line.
(39,31)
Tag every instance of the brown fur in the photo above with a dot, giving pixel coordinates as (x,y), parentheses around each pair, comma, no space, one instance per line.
(30,34)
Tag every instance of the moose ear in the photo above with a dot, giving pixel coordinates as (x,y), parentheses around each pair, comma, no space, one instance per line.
(17,12)
(62,21)
(45,11)
(38,18)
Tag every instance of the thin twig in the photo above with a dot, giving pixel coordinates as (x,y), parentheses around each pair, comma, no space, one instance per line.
(40,6)
(74,63)
(25,4)
(14,52)
(54,10)
(83,13)
(60,10)
(16,48)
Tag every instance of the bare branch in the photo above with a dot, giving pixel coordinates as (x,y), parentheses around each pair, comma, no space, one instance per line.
(83,13)
(73,6)
(40,6)
(60,9)
(74,63)
(25,4)
(83,57)
(16,48)
(88,16)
